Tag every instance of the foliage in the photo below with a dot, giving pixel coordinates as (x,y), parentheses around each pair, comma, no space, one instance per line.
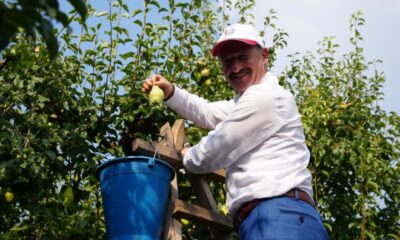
(35,16)
(46,147)
(60,118)
(354,143)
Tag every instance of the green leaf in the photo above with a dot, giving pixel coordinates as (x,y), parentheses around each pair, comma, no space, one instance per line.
(136,12)
(103,13)
(162,10)
(51,155)
(328,226)
(52,12)
(351,225)
(45,29)
(325,173)
(370,235)
(63,18)
(392,236)
(80,6)
(181,5)
(155,3)
(372,186)
(138,22)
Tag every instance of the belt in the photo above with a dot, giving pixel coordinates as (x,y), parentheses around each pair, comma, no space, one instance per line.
(247,207)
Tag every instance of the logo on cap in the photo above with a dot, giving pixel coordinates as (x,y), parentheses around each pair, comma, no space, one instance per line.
(228,31)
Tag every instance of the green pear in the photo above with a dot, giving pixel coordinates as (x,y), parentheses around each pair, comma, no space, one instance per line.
(205,73)
(156,95)
(68,196)
(9,196)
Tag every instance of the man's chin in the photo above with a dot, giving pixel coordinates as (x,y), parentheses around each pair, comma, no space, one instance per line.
(239,89)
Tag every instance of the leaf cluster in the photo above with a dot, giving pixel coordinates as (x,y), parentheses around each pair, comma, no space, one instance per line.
(35,16)
(61,117)
(354,143)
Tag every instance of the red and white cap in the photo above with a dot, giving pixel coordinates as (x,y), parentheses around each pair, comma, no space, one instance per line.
(238,32)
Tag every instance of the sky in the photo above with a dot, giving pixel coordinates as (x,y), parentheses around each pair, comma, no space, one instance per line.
(309,21)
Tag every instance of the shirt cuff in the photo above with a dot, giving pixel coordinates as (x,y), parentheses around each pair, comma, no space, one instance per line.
(172,94)
(186,159)
(175,100)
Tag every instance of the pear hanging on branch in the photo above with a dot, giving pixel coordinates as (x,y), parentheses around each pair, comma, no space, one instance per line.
(68,196)
(9,196)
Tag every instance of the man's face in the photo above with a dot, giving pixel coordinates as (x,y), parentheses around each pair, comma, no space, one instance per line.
(243,65)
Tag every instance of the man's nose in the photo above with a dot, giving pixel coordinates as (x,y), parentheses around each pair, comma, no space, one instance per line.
(236,66)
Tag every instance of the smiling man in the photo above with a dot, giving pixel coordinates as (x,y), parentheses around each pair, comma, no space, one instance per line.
(243,64)
(257,137)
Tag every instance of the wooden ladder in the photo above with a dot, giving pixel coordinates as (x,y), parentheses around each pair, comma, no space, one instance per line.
(206,210)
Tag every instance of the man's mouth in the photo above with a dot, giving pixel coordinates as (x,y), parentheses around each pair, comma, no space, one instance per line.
(239,75)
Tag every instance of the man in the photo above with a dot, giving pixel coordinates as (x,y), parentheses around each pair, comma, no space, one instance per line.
(257,137)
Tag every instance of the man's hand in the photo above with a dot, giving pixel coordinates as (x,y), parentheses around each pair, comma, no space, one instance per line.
(163,83)
(183,151)
(185,148)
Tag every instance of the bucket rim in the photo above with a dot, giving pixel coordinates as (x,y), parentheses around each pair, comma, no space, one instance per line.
(127,158)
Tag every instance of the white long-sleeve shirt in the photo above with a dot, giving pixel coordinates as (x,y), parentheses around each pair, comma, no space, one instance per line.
(257,137)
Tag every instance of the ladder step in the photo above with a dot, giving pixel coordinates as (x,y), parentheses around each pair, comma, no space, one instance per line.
(193,212)
(168,154)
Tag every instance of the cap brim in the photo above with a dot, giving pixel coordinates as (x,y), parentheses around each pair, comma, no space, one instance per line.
(221,44)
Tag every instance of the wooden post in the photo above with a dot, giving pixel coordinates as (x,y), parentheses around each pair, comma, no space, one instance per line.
(205,199)
(172,226)
(168,149)
(178,134)
(166,137)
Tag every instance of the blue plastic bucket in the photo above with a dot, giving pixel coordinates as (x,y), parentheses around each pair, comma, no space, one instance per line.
(135,194)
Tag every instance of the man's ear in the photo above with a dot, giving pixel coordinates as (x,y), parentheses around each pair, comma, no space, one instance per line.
(265,54)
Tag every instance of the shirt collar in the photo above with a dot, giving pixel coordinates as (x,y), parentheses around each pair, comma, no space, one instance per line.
(268,78)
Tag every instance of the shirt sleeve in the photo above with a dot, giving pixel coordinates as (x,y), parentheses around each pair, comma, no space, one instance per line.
(198,110)
(256,117)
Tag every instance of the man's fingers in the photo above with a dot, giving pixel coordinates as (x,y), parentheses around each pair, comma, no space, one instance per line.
(157,78)
(147,85)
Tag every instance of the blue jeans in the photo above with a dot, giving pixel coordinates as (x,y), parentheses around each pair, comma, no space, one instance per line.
(283,218)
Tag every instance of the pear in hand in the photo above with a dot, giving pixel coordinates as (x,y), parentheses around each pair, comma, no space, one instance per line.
(156,95)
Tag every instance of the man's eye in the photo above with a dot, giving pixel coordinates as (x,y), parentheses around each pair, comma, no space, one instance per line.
(243,57)
(226,62)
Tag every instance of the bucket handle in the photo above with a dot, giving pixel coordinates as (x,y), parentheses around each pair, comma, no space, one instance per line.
(152,161)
